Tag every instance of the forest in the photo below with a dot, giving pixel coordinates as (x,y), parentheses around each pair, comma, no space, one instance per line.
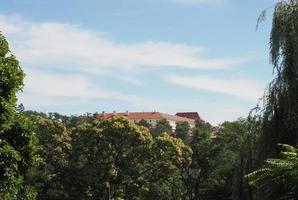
(54,156)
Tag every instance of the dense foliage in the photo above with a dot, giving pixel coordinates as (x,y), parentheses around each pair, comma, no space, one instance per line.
(117,159)
(278,118)
(279,176)
(18,144)
(279,114)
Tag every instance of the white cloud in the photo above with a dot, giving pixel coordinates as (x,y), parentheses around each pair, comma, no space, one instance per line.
(40,84)
(10,26)
(196,2)
(244,89)
(49,92)
(45,89)
(45,84)
(72,46)
(67,47)
(130,79)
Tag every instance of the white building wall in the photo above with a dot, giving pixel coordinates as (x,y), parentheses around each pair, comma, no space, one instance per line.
(173,124)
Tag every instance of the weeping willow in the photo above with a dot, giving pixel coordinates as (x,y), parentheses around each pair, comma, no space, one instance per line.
(280,102)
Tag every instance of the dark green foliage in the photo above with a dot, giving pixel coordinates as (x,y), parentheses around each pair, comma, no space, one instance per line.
(34,115)
(277,120)
(120,150)
(55,149)
(108,159)
(162,126)
(236,157)
(9,171)
(278,179)
(18,143)
(116,159)
(20,108)
(205,153)
(182,130)
(11,81)
(69,121)
(144,123)
(280,113)
(219,164)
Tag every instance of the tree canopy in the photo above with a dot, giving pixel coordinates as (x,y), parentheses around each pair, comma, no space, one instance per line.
(18,143)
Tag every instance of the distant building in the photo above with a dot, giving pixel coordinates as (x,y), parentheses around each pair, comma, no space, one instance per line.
(151,117)
(190,115)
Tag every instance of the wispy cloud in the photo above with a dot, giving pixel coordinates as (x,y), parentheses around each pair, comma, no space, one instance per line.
(47,89)
(248,90)
(71,45)
(196,2)
(48,50)
(68,86)
(70,92)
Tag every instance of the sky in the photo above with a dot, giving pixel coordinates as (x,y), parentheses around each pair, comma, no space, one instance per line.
(141,55)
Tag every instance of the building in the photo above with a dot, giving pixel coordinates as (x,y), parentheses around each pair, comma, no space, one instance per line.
(190,115)
(151,117)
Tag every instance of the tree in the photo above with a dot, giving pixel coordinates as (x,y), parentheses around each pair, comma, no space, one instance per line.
(18,144)
(204,157)
(117,159)
(112,157)
(236,157)
(280,113)
(170,156)
(278,178)
(144,123)
(55,149)
(278,116)
(162,126)
(11,81)
(20,108)
(182,129)
(33,115)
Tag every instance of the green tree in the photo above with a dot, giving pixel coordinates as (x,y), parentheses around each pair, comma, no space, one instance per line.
(20,108)
(144,123)
(11,81)
(205,153)
(170,156)
(55,144)
(112,157)
(34,114)
(237,145)
(117,159)
(182,130)
(162,126)
(278,178)
(278,116)
(280,113)
(18,144)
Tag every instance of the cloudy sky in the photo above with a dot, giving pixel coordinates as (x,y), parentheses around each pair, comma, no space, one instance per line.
(140,55)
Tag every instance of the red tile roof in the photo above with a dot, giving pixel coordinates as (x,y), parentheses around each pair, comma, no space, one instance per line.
(177,118)
(189,115)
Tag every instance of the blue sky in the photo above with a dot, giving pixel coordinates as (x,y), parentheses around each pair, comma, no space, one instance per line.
(140,55)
